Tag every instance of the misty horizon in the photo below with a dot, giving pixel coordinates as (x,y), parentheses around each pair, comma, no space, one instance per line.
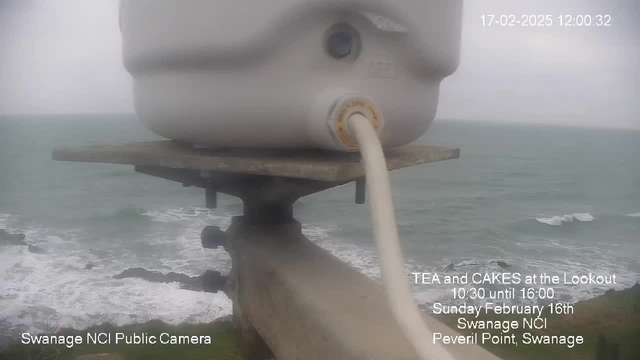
(437,120)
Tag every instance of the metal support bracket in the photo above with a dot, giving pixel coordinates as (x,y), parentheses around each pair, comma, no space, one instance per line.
(291,298)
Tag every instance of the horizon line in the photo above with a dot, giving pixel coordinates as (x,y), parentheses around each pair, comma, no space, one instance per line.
(493,121)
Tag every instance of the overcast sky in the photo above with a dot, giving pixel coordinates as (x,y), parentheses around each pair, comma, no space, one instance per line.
(63,56)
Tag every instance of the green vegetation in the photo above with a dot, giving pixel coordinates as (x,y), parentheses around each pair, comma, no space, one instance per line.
(616,315)
(223,345)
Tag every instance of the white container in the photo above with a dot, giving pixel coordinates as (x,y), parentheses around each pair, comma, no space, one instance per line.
(266,73)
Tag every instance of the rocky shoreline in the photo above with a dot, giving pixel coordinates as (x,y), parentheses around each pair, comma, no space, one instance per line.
(608,321)
(11,239)
(211,281)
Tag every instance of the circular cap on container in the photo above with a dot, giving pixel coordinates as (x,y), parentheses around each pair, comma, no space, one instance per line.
(344,109)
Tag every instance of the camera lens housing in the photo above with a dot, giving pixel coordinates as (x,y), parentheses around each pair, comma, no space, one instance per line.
(343,42)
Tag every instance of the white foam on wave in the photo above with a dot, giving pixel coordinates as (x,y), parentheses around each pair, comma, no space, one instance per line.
(189,213)
(559,220)
(467,263)
(39,290)
(39,287)
(582,261)
(190,257)
(6,220)
(365,260)
(635,215)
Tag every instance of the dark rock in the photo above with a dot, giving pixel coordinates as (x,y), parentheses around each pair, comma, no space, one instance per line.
(449,267)
(186,282)
(36,250)
(89,266)
(502,264)
(7,238)
(212,237)
(610,292)
(210,281)
(152,276)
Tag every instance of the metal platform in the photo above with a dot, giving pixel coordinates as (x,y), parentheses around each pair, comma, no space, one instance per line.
(299,164)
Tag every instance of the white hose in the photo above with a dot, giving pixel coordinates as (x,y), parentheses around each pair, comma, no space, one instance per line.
(394,276)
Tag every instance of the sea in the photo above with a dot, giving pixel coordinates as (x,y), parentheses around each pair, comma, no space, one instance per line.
(540,198)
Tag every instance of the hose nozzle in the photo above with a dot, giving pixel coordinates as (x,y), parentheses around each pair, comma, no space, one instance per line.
(332,112)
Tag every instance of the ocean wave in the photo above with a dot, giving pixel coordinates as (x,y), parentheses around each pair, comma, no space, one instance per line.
(35,234)
(175,235)
(190,213)
(559,220)
(36,287)
(7,220)
(156,215)
(363,258)
(127,214)
(40,289)
(634,215)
